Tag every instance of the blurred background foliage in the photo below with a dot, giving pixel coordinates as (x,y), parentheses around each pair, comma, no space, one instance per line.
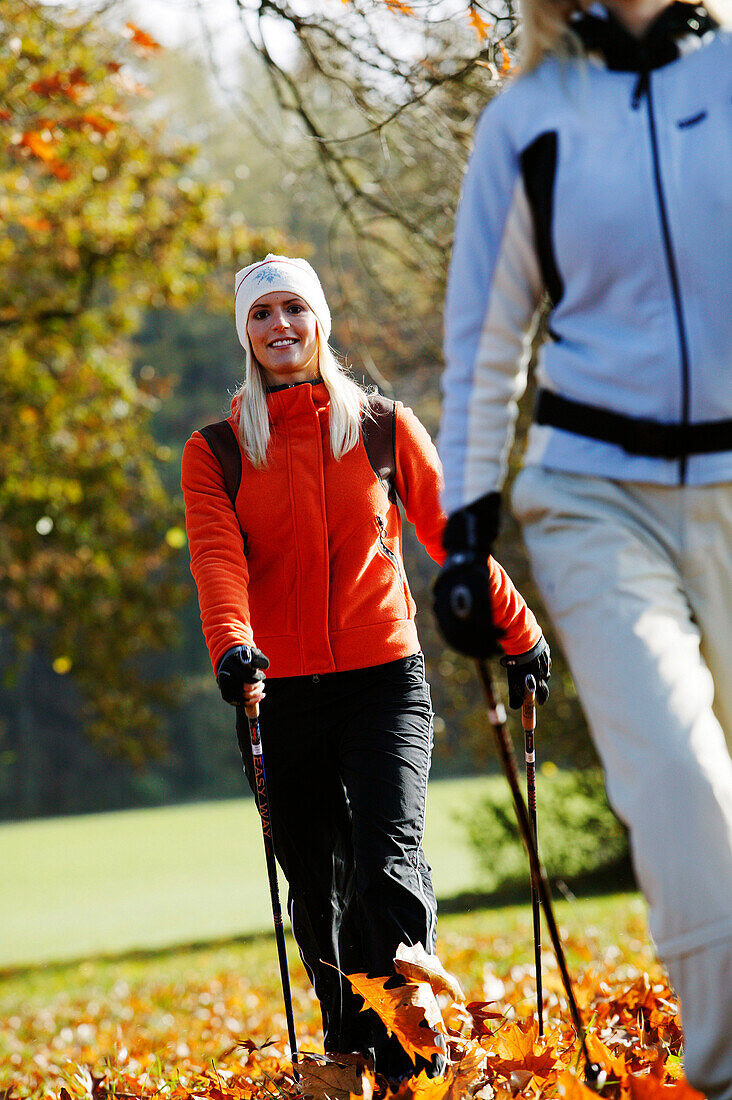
(579,833)
(133,182)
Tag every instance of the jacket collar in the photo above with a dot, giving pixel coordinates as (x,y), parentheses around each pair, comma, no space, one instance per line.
(302,399)
(601,33)
(291,385)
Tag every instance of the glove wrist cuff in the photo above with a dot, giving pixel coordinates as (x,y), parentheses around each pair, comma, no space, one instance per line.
(246,655)
(518,659)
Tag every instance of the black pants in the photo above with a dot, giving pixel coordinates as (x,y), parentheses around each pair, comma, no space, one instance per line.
(347,757)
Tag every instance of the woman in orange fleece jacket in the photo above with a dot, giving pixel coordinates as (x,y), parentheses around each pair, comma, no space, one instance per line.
(297,555)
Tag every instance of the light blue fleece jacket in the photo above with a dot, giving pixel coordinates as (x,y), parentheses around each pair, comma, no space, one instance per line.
(618,198)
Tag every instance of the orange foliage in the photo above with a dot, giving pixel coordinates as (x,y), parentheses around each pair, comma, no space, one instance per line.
(478,23)
(410,1012)
(177,1042)
(141,38)
(70,85)
(45,148)
(399,7)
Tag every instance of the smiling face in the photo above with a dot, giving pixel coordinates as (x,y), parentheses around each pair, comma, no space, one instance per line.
(284,336)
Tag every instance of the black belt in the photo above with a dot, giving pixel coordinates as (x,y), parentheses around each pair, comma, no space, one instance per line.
(634,434)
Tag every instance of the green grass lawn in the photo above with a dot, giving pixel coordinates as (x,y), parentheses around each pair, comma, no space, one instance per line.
(146,879)
(595,931)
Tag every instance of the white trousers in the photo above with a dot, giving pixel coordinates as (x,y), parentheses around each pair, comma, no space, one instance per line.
(638,582)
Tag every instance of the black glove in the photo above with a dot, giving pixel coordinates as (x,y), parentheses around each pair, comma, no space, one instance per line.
(462,592)
(536,662)
(240,666)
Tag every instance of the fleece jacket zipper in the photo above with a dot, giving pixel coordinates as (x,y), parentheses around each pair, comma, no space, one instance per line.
(644,87)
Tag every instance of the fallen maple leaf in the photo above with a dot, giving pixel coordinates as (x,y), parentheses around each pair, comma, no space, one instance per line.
(245,1044)
(420,1087)
(416,965)
(408,1011)
(615,1064)
(467,1076)
(571,1088)
(480,1013)
(514,1048)
(325,1077)
(650,1088)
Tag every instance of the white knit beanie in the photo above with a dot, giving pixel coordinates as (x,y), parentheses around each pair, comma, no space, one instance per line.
(274,274)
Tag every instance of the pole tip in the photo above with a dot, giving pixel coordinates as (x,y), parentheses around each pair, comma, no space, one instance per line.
(595,1076)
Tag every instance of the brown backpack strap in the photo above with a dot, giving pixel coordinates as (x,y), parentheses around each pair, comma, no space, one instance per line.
(225,447)
(379,439)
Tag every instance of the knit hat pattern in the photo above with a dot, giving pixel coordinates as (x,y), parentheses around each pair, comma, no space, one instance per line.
(272,275)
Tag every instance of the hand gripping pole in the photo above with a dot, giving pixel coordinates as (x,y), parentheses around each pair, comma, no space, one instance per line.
(497,718)
(528,721)
(260,789)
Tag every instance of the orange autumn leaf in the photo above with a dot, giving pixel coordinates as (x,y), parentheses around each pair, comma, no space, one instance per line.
(102,123)
(514,1047)
(481,1014)
(337,1078)
(141,38)
(416,965)
(410,1012)
(422,1087)
(467,1075)
(36,225)
(45,149)
(42,147)
(399,7)
(478,23)
(649,1087)
(69,85)
(615,1064)
(570,1087)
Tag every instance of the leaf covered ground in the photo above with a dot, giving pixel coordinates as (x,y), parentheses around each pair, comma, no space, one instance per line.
(210,1026)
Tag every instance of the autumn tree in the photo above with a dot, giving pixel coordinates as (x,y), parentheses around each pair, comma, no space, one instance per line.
(102,219)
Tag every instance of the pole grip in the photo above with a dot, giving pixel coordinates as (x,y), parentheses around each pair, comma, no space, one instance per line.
(528,707)
(252,711)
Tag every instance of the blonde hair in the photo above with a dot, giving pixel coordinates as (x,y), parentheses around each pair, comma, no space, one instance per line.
(346,403)
(546,30)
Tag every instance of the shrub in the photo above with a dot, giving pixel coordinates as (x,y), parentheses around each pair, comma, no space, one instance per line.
(578,832)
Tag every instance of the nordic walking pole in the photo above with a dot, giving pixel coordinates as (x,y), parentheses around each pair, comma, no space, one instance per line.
(528,721)
(497,718)
(260,790)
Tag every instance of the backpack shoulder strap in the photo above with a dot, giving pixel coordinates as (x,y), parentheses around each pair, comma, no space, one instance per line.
(379,439)
(225,447)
